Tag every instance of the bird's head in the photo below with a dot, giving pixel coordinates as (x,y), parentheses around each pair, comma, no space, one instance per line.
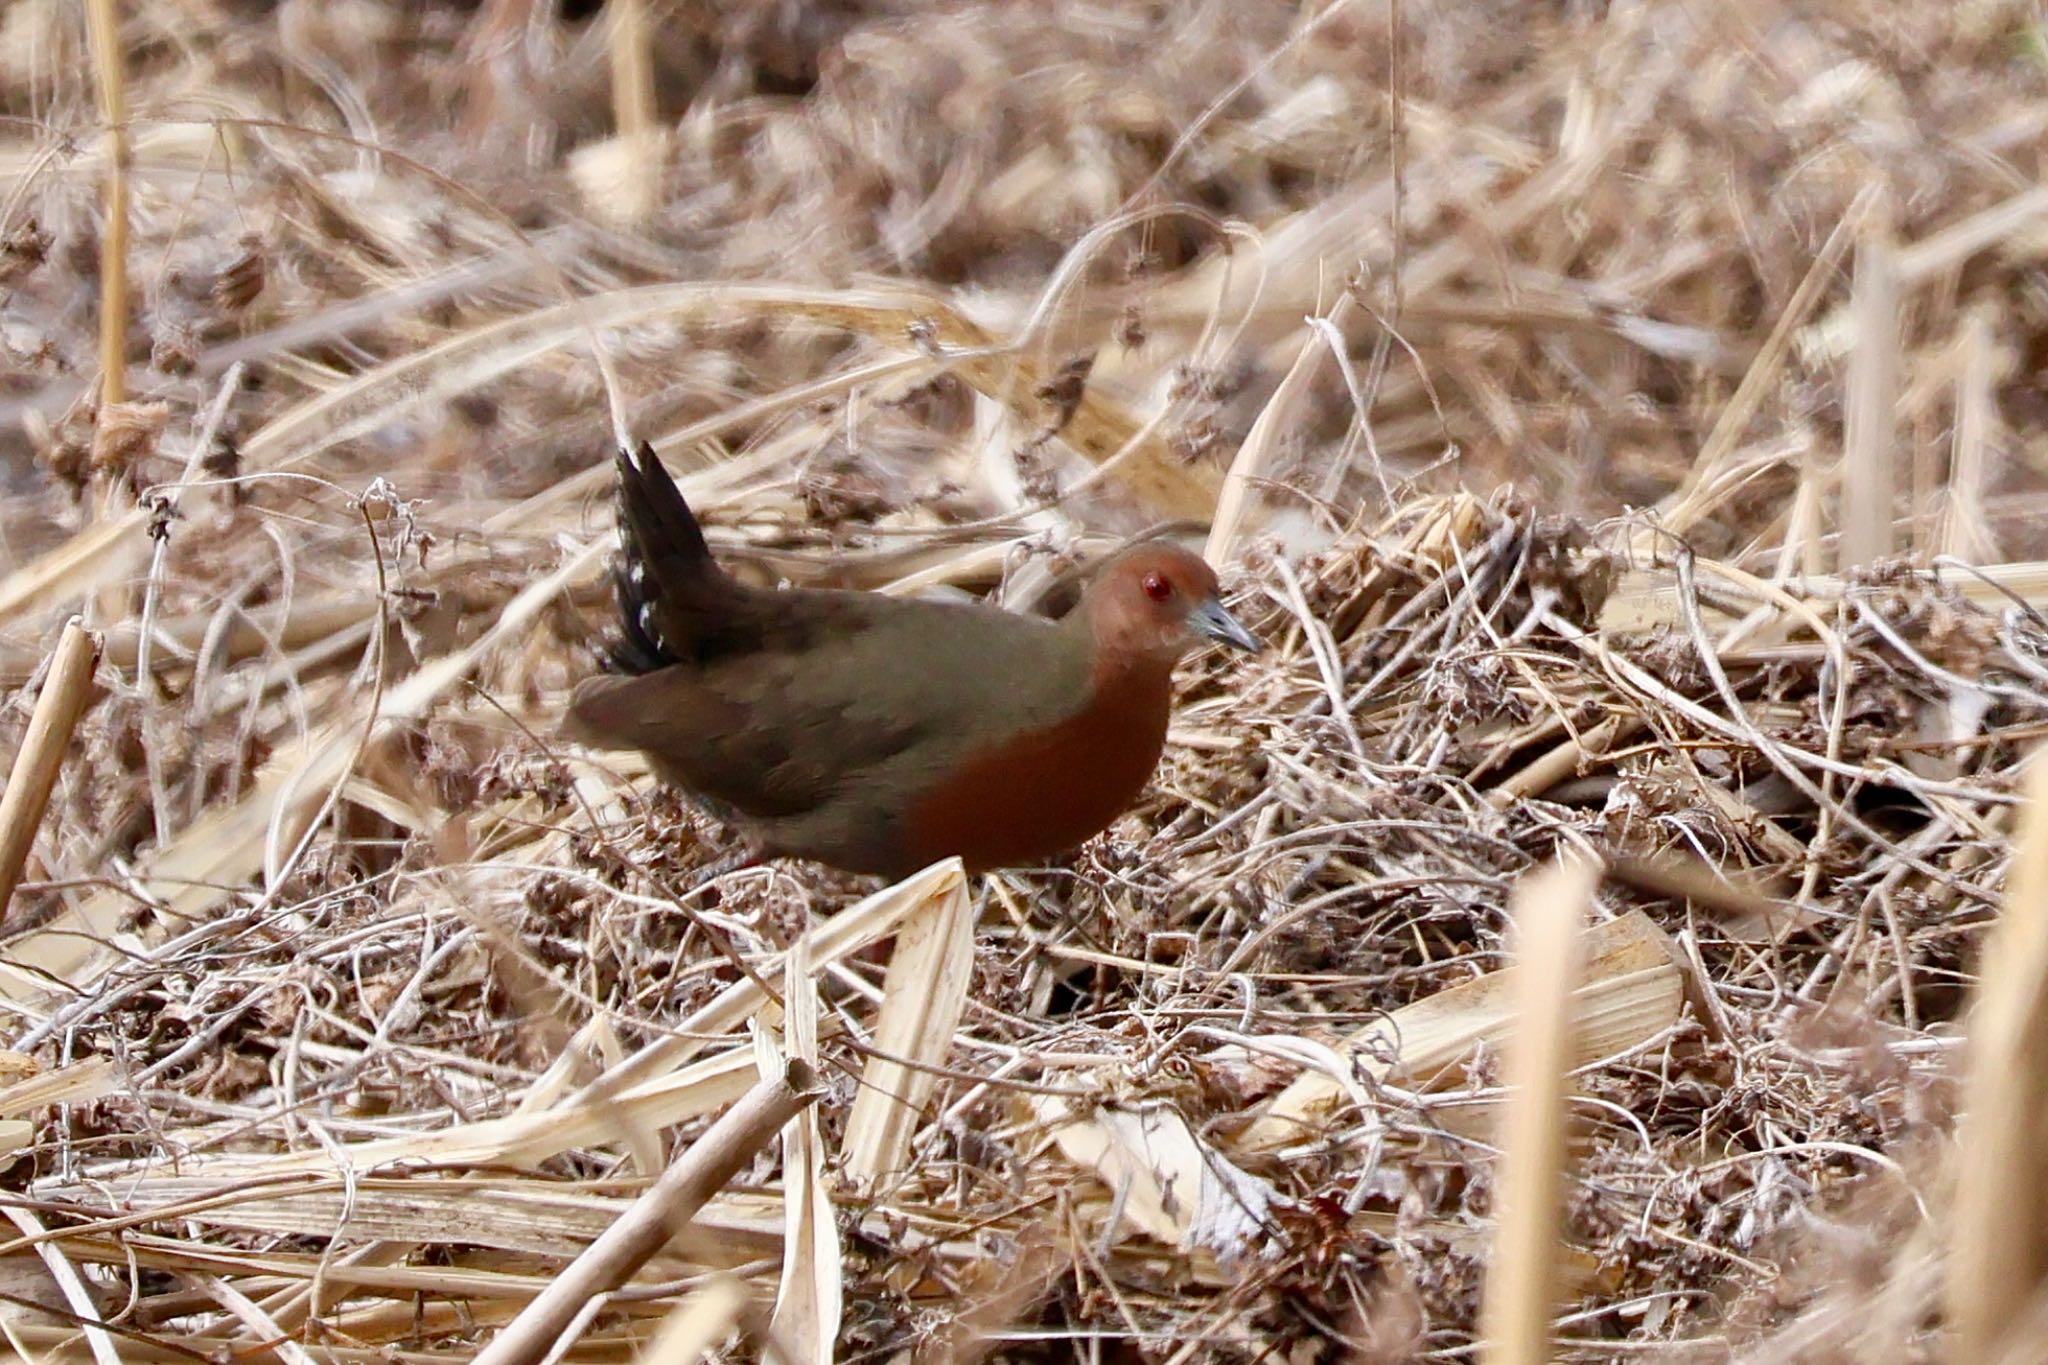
(1158,600)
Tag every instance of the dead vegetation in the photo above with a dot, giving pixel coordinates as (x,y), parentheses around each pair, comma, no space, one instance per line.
(1617,421)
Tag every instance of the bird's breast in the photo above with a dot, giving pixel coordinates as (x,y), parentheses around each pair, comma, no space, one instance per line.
(1034,794)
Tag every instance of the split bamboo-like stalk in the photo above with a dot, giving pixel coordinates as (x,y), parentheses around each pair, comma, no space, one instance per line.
(64,695)
(1281,412)
(810,1300)
(926,990)
(1633,988)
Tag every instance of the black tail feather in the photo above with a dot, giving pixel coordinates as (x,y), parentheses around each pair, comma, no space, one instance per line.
(664,566)
(635,649)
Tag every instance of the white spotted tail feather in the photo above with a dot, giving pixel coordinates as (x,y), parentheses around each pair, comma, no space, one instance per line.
(670,590)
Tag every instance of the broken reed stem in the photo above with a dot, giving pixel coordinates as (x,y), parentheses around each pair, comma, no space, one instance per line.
(632,67)
(931,970)
(63,698)
(104,29)
(1567,759)
(667,1206)
(1281,412)
(1871,395)
(1522,1279)
(1998,1256)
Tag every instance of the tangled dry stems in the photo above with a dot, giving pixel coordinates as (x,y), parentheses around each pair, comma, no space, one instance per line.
(320,877)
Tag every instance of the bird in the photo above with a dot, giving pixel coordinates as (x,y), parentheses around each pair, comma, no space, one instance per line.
(877,734)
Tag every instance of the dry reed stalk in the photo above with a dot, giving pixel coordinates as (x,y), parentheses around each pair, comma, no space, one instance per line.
(1805,523)
(632,68)
(67,687)
(73,1084)
(503,1212)
(1568,759)
(15,1135)
(523,1139)
(109,70)
(930,970)
(1522,1276)
(104,26)
(1870,428)
(667,1206)
(306,620)
(1998,1248)
(1281,412)
(1950,247)
(1686,877)
(1632,989)
(1647,600)
(810,1297)
(632,64)
(1965,530)
(99,553)
(77,1293)
(621,176)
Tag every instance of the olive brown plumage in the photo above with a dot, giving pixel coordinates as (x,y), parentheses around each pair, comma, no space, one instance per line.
(879,734)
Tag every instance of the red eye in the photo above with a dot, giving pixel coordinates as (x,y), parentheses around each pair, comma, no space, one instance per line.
(1157,587)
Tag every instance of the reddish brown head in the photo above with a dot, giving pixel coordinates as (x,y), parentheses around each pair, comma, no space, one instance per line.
(1158,601)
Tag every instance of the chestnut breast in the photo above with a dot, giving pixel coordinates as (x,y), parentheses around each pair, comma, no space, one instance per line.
(1044,791)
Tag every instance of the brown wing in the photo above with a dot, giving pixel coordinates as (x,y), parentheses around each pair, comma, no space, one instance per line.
(752,733)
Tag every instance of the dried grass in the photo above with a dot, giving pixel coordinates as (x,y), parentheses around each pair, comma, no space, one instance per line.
(1533,407)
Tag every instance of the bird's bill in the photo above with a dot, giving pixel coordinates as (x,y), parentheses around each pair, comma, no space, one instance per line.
(1212,620)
